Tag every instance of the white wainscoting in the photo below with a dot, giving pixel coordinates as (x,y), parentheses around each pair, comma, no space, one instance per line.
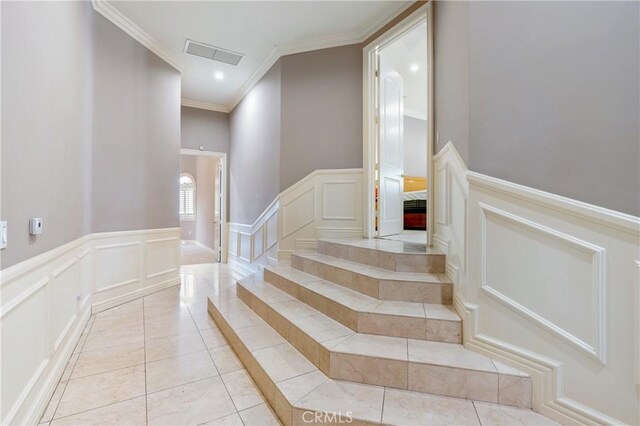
(546,284)
(47,300)
(326,203)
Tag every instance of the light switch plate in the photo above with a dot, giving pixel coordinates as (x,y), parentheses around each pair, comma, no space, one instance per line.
(3,234)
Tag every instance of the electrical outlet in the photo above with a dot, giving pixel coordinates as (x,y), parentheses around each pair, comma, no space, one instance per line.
(78,298)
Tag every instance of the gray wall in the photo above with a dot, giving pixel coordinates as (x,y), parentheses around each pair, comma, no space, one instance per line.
(451,75)
(554,95)
(136,134)
(254,152)
(200,127)
(91,130)
(46,124)
(189,164)
(415,146)
(321,112)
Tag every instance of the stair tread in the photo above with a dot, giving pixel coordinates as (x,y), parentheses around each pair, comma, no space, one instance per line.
(307,388)
(361,302)
(339,338)
(372,271)
(388,246)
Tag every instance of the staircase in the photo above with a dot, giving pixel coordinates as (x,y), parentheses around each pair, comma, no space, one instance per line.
(365,330)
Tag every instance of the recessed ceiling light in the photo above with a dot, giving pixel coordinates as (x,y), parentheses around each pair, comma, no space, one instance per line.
(219,75)
(414,68)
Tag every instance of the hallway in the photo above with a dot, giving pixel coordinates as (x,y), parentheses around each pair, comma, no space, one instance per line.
(192,254)
(144,361)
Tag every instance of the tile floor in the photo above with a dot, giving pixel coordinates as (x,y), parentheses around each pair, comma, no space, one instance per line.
(159,360)
(409,236)
(192,254)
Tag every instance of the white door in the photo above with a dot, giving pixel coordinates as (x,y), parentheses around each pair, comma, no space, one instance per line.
(391,156)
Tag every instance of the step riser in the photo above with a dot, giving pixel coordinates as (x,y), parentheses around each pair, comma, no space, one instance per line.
(438,380)
(407,291)
(431,263)
(371,323)
(287,412)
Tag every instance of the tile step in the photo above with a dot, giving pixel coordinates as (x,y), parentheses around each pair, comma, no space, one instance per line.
(438,368)
(387,254)
(376,282)
(366,314)
(301,394)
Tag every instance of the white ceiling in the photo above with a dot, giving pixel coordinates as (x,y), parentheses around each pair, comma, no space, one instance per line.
(408,56)
(262,30)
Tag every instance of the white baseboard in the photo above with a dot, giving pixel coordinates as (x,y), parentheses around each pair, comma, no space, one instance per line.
(47,300)
(136,294)
(57,367)
(546,374)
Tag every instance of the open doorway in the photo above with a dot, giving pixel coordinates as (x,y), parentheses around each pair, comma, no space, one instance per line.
(201,206)
(398,144)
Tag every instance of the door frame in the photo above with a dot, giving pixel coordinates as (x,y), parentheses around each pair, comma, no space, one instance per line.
(224,186)
(371,127)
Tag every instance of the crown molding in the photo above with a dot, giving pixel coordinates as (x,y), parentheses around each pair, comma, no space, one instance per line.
(125,24)
(262,69)
(193,103)
(315,44)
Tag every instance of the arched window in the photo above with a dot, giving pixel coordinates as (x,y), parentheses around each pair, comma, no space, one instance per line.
(187,197)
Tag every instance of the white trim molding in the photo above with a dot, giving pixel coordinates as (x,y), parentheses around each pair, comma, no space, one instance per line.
(131,28)
(542,283)
(597,349)
(107,10)
(48,299)
(325,203)
(193,103)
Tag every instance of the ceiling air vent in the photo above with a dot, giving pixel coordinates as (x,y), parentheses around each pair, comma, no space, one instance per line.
(211,52)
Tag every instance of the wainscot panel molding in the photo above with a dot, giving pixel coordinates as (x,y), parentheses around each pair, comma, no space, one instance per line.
(543,284)
(326,203)
(48,299)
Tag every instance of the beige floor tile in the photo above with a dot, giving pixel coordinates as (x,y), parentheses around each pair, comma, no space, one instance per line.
(225,359)
(491,414)
(391,307)
(204,321)
(230,420)
(124,309)
(116,322)
(296,388)
(102,389)
(243,391)
(366,344)
(448,354)
(259,336)
(413,408)
(167,347)
(282,362)
(168,326)
(213,338)
(129,412)
(66,374)
(363,402)
(119,333)
(190,404)
(53,403)
(111,358)
(322,328)
(260,415)
(180,370)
